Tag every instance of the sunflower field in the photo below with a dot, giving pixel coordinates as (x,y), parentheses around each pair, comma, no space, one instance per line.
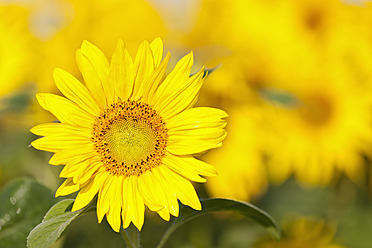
(186,123)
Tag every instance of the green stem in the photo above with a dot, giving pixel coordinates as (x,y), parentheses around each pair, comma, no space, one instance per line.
(166,235)
(131,236)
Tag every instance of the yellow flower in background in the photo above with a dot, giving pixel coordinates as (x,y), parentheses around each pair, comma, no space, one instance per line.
(241,175)
(16,48)
(129,135)
(328,130)
(318,20)
(91,20)
(305,232)
(265,47)
(275,36)
(325,133)
(302,48)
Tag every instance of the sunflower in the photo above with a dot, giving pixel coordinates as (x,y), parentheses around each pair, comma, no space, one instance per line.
(305,232)
(300,48)
(241,174)
(129,135)
(329,130)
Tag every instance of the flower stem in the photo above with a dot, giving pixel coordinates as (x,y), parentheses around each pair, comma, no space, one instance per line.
(131,236)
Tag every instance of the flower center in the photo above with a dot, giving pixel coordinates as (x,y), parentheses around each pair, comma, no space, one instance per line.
(130,138)
(318,110)
(314,20)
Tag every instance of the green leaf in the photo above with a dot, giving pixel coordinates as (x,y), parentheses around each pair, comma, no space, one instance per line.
(23,203)
(54,223)
(280,98)
(220,204)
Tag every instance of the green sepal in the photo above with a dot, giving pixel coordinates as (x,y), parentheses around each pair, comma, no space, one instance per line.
(208,71)
(280,98)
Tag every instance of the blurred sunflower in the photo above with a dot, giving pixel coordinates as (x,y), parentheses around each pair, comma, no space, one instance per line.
(318,20)
(330,125)
(325,133)
(299,51)
(304,232)
(266,46)
(277,36)
(241,175)
(131,133)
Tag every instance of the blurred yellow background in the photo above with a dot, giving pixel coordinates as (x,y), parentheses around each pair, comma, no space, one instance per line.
(295,78)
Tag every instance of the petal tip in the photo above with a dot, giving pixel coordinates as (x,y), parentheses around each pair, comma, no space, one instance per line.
(157,40)
(86,44)
(138,225)
(57,70)
(33,130)
(40,97)
(53,161)
(34,144)
(120,44)
(190,57)
(76,207)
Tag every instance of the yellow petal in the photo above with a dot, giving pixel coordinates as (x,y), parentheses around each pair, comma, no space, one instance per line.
(103,203)
(152,191)
(143,67)
(67,187)
(195,141)
(65,110)
(113,216)
(183,188)
(153,195)
(61,128)
(76,168)
(164,214)
(200,167)
(69,171)
(126,213)
(177,165)
(157,51)
(155,79)
(174,81)
(87,192)
(55,143)
(122,72)
(99,68)
(73,155)
(134,208)
(139,205)
(91,79)
(89,172)
(75,91)
(182,97)
(201,117)
(172,204)
(86,170)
